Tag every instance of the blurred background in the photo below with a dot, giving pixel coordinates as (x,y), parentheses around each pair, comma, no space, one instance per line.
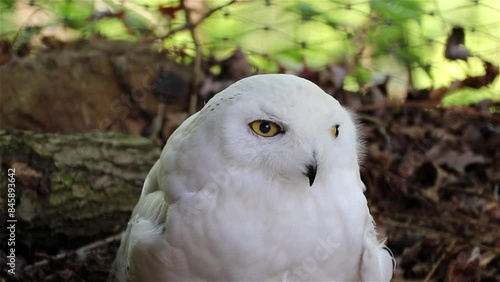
(91,90)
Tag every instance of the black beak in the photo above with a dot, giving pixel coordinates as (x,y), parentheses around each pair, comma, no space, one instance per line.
(311,170)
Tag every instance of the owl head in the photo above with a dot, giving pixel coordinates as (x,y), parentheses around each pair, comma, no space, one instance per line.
(283,126)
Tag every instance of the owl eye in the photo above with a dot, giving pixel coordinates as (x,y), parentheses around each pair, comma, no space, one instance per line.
(335,130)
(265,128)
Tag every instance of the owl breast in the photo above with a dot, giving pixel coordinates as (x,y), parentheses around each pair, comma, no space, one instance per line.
(254,228)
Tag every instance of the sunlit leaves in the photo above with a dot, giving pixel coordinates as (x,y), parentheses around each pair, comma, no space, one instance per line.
(396,11)
(7,4)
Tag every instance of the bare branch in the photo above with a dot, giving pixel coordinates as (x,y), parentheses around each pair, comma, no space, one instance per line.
(83,249)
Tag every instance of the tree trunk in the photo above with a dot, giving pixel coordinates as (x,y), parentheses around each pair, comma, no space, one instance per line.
(71,189)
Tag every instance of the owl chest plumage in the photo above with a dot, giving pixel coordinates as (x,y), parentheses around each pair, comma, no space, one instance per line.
(242,226)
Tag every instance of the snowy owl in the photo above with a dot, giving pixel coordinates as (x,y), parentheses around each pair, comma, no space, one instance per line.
(262,184)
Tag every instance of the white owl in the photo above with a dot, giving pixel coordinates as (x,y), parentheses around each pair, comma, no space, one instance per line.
(262,184)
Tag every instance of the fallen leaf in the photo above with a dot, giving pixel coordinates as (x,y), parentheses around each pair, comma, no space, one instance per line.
(458,161)
(465,268)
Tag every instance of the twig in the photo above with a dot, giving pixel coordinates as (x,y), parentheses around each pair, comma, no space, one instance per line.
(197,72)
(25,23)
(451,236)
(83,249)
(411,218)
(410,104)
(474,112)
(424,104)
(158,122)
(191,25)
(438,262)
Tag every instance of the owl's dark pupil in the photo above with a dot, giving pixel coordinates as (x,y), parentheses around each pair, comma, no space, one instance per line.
(265,127)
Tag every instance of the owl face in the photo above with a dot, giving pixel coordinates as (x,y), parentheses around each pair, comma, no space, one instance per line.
(289,128)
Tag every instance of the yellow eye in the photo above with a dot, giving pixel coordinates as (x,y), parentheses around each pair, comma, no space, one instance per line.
(265,128)
(335,130)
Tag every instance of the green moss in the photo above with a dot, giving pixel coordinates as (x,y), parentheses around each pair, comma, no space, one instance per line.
(29,205)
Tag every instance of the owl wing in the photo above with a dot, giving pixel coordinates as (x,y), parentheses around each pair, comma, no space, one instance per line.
(377,262)
(143,245)
(144,253)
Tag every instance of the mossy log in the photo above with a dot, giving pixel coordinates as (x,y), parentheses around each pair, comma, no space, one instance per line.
(71,188)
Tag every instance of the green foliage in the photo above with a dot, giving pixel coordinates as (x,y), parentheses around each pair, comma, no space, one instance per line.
(72,14)
(399,34)
(397,11)
(7,4)
(466,96)
(362,75)
(305,10)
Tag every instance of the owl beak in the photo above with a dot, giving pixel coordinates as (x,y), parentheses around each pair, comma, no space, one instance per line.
(311,170)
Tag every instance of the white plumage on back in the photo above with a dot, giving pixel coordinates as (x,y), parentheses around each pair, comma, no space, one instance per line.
(262,184)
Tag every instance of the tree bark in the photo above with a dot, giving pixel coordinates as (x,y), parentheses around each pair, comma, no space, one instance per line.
(73,188)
